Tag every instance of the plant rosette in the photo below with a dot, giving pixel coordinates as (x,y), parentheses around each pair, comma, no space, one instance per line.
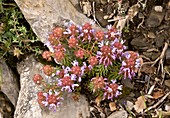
(85,55)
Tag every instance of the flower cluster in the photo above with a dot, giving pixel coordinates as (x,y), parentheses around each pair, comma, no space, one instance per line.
(52,99)
(81,51)
(110,89)
(130,64)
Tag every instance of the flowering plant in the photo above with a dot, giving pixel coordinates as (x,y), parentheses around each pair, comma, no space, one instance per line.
(85,55)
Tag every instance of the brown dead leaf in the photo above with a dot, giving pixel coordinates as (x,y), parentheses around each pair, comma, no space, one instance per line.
(133,11)
(148,69)
(98,100)
(112,106)
(140,104)
(158,94)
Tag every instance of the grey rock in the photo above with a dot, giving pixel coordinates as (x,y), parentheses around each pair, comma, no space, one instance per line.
(27,105)
(159,40)
(155,18)
(151,35)
(140,42)
(127,83)
(8,82)
(43,15)
(152,55)
(119,114)
(100,17)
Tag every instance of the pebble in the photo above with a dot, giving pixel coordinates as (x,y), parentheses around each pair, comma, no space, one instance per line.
(101,20)
(159,40)
(119,114)
(167,107)
(127,83)
(155,18)
(167,83)
(129,105)
(158,8)
(151,35)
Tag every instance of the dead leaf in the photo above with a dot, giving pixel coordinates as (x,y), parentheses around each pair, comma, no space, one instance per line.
(133,11)
(17,52)
(158,94)
(86,7)
(140,104)
(148,69)
(98,100)
(112,106)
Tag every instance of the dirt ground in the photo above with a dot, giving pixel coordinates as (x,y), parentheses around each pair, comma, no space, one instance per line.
(146,28)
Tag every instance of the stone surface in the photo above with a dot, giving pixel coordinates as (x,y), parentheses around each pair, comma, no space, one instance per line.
(8,82)
(140,42)
(155,18)
(127,83)
(119,114)
(27,105)
(43,15)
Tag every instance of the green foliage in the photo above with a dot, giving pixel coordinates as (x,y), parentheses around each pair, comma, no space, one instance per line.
(16,36)
(110,72)
(101,70)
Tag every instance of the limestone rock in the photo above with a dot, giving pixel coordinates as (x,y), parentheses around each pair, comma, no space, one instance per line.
(8,82)
(27,105)
(43,15)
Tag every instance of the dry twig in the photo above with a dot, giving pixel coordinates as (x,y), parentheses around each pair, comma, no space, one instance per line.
(160,59)
(159,102)
(94,14)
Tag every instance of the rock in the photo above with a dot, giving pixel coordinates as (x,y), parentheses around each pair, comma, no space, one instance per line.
(152,55)
(156,16)
(167,56)
(43,15)
(159,40)
(8,82)
(167,106)
(127,83)
(129,105)
(100,17)
(167,83)
(158,8)
(27,105)
(119,114)
(140,42)
(151,35)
